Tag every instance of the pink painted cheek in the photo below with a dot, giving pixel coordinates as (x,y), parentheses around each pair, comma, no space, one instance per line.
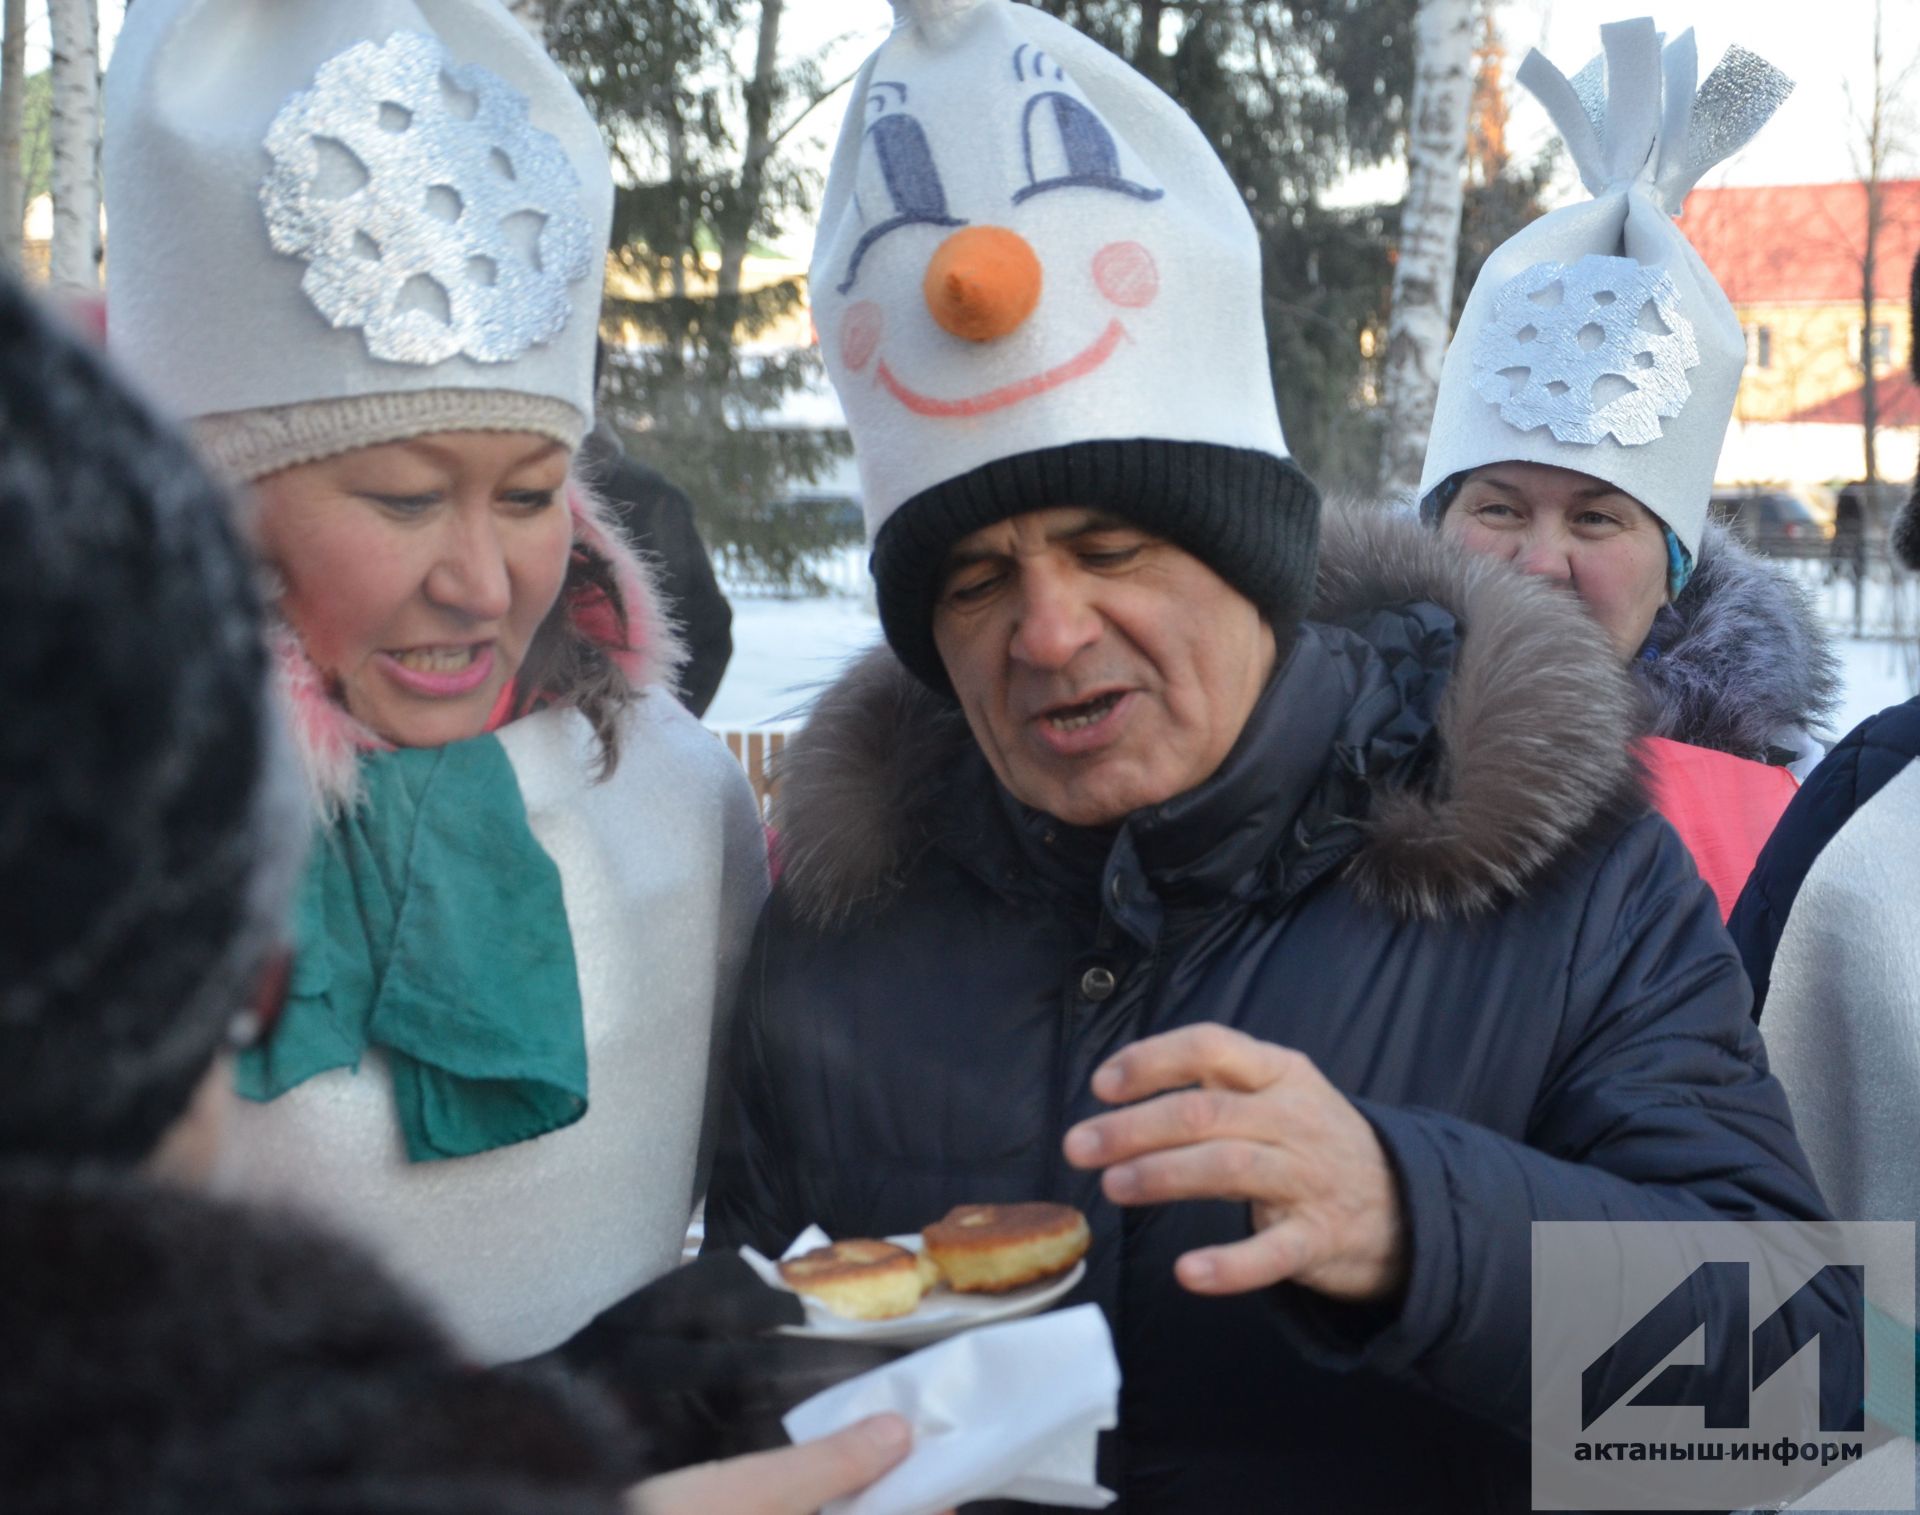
(1127,275)
(860,331)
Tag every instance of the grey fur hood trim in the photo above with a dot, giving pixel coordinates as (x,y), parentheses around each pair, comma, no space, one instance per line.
(1744,664)
(1535,733)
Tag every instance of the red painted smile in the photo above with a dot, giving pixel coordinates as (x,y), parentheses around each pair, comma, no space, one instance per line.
(1077,367)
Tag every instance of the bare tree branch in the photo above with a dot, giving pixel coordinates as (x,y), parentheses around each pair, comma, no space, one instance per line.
(814,104)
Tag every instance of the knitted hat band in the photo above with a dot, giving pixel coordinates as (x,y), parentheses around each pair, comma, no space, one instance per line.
(1251,517)
(250,444)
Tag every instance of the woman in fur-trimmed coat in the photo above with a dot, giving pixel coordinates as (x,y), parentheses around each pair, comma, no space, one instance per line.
(1736,671)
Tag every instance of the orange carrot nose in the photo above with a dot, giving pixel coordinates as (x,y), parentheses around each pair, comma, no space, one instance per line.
(982,282)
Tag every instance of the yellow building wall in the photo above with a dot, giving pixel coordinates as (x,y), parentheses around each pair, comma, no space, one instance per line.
(1813,355)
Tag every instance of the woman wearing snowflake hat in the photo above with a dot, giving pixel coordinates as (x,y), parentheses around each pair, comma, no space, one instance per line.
(1581,414)
(359,247)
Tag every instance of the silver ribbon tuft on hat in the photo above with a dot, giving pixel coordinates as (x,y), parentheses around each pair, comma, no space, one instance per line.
(1634,116)
(1599,349)
(434,217)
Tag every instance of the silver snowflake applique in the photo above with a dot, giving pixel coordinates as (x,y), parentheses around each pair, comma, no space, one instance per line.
(434,217)
(1593,350)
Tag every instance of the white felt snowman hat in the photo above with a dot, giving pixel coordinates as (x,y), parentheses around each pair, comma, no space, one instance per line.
(336,223)
(1035,284)
(1596,339)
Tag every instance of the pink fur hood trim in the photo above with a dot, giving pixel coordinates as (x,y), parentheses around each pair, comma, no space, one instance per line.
(329,740)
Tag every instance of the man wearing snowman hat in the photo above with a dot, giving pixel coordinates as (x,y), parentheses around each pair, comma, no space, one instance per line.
(1310,934)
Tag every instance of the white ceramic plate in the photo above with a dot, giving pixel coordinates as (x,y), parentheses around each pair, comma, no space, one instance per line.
(941,1313)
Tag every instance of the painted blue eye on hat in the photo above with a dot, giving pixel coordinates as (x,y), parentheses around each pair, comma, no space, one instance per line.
(911,182)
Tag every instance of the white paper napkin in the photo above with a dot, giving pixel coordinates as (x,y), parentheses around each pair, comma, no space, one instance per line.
(769,1270)
(1010,1411)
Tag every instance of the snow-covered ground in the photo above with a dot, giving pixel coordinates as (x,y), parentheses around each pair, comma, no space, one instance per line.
(1876,674)
(785,650)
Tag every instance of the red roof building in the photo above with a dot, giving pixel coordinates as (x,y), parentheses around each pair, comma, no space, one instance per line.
(1791,258)
(1780,244)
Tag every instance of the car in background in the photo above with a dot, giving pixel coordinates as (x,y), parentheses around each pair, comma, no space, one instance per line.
(1774,521)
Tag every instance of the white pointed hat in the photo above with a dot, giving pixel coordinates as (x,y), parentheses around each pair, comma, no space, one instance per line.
(340,222)
(1035,284)
(1596,339)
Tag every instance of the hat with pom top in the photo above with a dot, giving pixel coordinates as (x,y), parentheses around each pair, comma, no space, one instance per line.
(1596,339)
(1036,285)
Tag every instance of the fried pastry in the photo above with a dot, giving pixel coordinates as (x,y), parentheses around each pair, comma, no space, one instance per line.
(989,1249)
(861,1279)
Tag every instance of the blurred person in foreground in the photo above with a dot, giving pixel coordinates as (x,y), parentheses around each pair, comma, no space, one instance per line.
(1309,932)
(165,1350)
(1582,409)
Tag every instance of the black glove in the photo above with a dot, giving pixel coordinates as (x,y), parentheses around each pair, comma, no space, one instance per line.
(691,1359)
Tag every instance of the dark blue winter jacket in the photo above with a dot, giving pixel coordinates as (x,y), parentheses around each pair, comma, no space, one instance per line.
(1426,866)
(1853,773)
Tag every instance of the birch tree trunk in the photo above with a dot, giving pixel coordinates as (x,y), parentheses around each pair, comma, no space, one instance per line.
(13,89)
(1421,322)
(76,145)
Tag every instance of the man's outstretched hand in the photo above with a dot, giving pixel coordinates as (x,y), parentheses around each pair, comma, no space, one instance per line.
(1214,1114)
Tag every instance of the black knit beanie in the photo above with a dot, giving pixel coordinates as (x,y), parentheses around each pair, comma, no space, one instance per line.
(135,896)
(1906,528)
(1252,517)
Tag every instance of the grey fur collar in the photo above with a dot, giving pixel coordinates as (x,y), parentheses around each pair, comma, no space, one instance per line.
(1744,664)
(1535,733)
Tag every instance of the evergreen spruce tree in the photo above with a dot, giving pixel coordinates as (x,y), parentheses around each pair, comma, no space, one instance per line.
(704,182)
